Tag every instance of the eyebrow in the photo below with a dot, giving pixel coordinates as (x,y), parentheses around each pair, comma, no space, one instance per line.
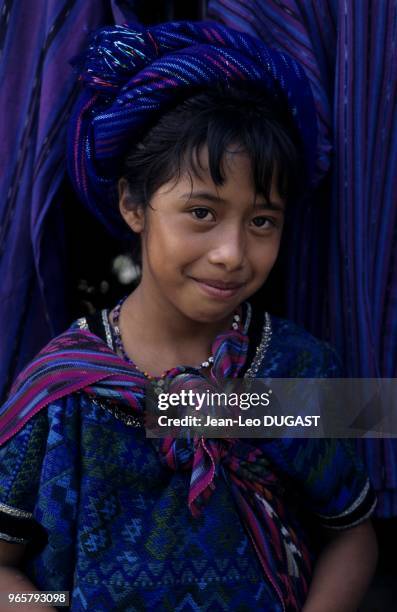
(210,197)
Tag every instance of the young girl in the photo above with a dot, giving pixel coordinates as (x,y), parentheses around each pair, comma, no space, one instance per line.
(204,137)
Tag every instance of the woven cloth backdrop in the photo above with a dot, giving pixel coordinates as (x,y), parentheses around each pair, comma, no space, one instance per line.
(37,92)
(342,287)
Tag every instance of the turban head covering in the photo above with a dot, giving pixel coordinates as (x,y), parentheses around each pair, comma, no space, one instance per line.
(132,74)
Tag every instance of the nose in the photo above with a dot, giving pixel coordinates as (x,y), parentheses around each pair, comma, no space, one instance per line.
(228,249)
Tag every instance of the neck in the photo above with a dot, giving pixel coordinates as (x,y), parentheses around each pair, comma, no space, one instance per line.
(157,338)
(162,324)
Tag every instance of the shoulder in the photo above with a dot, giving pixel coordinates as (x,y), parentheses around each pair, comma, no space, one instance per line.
(286,333)
(294,352)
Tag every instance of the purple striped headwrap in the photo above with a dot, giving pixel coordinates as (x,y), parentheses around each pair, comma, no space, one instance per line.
(132,74)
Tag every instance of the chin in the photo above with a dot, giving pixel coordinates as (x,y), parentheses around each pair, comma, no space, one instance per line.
(212,314)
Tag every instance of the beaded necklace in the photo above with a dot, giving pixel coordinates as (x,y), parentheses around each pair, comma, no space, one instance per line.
(119,342)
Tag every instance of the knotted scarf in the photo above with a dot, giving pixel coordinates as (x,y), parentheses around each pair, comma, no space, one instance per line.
(132,74)
(80,361)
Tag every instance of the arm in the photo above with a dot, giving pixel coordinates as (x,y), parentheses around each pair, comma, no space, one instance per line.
(12,580)
(343,571)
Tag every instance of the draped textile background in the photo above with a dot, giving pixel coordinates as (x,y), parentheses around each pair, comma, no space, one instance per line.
(37,91)
(343,285)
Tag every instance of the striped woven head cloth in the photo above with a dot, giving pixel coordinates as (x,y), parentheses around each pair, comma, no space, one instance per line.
(131,74)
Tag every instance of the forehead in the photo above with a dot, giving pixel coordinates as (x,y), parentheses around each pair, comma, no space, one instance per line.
(235,165)
(237,172)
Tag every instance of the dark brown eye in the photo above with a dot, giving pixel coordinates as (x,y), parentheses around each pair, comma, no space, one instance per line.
(262,221)
(201,213)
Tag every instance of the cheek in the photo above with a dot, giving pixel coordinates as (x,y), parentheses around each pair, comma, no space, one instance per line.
(168,249)
(158,236)
(263,256)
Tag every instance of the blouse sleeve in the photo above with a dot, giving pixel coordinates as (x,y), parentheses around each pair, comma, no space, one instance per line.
(330,477)
(21,459)
(327,471)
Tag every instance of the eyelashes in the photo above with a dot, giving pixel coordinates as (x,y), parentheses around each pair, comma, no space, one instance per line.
(197,213)
(201,213)
(266,220)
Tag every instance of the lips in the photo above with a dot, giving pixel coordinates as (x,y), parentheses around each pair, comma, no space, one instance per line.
(218,289)
(218,284)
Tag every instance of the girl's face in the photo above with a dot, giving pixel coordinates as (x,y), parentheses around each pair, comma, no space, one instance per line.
(207,248)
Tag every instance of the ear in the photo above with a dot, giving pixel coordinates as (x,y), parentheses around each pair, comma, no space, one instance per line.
(133,214)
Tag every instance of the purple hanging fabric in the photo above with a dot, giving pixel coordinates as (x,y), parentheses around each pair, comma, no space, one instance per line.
(343,286)
(38,89)
(363,288)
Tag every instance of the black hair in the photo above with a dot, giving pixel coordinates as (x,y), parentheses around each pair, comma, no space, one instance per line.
(219,118)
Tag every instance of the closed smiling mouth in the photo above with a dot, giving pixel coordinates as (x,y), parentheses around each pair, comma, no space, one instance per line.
(217,289)
(218,284)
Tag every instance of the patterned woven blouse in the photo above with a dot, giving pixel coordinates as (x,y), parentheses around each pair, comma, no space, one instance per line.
(105,519)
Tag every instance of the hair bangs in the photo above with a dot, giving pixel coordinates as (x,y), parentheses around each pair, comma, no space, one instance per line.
(224,120)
